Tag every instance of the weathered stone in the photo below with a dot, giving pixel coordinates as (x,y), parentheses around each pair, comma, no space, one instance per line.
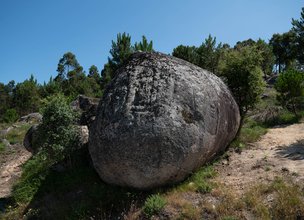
(30,138)
(160,118)
(83,135)
(32,117)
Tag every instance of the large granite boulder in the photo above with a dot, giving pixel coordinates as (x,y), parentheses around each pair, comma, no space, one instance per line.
(159,120)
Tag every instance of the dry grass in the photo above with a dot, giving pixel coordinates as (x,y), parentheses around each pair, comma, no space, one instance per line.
(181,208)
(277,200)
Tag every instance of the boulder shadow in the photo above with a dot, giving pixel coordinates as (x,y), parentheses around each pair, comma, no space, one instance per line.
(78,193)
(294,151)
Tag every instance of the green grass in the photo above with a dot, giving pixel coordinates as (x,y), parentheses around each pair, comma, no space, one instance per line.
(250,132)
(16,135)
(285,117)
(153,205)
(198,181)
(2,147)
(34,173)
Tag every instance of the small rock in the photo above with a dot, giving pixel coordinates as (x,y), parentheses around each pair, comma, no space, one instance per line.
(33,117)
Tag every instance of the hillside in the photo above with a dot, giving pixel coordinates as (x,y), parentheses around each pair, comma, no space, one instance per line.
(262,181)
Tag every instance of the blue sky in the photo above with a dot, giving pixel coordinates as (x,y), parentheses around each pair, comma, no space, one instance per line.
(35,34)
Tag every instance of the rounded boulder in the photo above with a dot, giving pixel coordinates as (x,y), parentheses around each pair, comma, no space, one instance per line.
(159,120)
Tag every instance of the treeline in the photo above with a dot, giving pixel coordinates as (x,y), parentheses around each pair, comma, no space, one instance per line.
(242,67)
(71,80)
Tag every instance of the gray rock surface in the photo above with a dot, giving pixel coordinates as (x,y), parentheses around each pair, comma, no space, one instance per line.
(30,138)
(159,120)
(32,117)
(83,135)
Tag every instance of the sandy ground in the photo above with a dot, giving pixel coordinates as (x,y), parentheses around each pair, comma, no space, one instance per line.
(279,152)
(10,167)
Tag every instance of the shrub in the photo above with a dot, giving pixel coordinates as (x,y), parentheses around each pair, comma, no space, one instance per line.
(154,204)
(243,75)
(10,116)
(57,135)
(290,85)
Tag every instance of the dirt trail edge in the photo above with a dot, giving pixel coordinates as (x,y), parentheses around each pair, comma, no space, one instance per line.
(279,152)
(10,168)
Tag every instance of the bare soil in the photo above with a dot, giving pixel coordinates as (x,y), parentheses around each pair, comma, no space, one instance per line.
(11,161)
(280,152)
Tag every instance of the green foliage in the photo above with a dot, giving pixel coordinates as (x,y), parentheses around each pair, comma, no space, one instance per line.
(284,49)
(186,53)
(153,205)
(290,86)
(68,67)
(34,173)
(206,56)
(120,52)
(93,73)
(10,116)
(209,54)
(57,134)
(144,45)
(72,81)
(243,75)
(5,97)
(285,117)
(51,88)
(26,97)
(298,29)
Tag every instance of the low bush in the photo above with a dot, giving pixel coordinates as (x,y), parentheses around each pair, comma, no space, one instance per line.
(10,116)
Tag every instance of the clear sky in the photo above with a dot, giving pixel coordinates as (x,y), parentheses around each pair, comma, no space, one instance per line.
(34,34)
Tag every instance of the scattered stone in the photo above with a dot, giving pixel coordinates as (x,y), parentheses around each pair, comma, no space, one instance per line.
(159,120)
(32,118)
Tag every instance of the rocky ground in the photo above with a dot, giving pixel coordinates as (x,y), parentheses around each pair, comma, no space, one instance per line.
(12,156)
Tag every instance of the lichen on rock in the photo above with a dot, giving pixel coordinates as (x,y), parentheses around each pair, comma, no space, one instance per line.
(159,120)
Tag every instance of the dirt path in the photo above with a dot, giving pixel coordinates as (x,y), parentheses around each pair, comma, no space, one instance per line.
(10,167)
(279,152)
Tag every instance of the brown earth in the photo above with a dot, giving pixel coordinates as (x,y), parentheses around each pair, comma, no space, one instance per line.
(280,152)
